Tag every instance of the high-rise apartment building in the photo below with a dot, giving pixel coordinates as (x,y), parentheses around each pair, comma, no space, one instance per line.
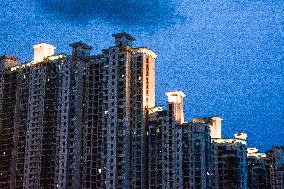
(258,170)
(163,150)
(78,120)
(178,152)
(130,91)
(232,162)
(90,121)
(276,167)
(197,156)
(214,129)
(12,124)
(156,120)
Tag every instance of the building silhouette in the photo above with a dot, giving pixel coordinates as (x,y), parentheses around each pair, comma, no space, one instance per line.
(90,121)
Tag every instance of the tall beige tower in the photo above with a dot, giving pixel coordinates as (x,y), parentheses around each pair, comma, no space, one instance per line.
(177,99)
(216,127)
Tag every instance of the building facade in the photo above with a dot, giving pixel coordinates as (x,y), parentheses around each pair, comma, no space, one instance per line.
(178,152)
(275,158)
(258,170)
(75,120)
(90,121)
(130,91)
(232,162)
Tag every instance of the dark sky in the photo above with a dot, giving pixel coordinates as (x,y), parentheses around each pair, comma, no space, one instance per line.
(226,55)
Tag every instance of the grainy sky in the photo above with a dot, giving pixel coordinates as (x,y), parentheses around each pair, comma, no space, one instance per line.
(226,55)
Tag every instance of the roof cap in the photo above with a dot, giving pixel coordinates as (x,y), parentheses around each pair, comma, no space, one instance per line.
(81,44)
(124,34)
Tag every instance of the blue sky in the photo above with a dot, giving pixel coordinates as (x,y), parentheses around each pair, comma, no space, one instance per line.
(226,55)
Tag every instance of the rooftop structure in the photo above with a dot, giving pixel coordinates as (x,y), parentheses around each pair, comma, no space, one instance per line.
(123,39)
(8,61)
(42,51)
(124,35)
(232,162)
(253,152)
(176,98)
(215,124)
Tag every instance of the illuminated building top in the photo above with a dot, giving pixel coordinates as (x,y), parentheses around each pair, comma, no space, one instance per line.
(8,57)
(42,51)
(253,152)
(145,51)
(176,98)
(228,140)
(215,124)
(155,109)
(27,64)
(241,136)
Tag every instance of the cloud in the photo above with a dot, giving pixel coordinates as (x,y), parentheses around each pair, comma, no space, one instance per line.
(125,12)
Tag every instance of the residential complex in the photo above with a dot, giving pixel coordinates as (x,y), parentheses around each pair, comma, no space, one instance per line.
(90,121)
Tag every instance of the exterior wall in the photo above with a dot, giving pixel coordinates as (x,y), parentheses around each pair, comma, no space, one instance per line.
(197,160)
(276,167)
(116,117)
(171,160)
(91,130)
(179,156)
(232,164)
(258,172)
(130,91)
(75,122)
(78,119)
(215,171)
(154,149)
(163,150)
(9,135)
(63,122)
(142,72)
(19,138)
(41,125)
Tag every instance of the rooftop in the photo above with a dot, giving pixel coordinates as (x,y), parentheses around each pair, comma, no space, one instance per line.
(228,140)
(5,57)
(175,93)
(124,34)
(45,45)
(81,44)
